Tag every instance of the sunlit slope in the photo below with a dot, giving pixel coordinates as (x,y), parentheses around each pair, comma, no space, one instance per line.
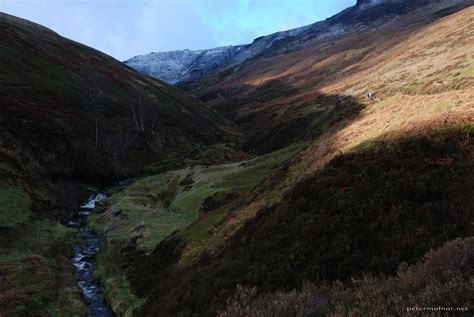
(395,166)
(416,67)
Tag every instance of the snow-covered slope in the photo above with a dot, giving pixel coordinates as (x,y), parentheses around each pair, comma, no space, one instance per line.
(179,67)
(186,65)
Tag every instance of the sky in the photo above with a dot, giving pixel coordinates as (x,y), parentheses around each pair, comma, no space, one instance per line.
(126,28)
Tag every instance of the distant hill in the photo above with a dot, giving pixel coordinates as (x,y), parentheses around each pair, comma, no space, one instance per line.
(187,66)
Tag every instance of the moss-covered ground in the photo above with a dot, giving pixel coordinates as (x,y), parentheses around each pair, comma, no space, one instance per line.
(37,277)
(16,206)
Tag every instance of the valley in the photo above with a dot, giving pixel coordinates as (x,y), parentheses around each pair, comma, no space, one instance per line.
(311,172)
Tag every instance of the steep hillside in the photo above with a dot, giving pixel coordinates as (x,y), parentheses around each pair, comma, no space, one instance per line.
(416,289)
(69,111)
(270,93)
(380,180)
(71,115)
(364,213)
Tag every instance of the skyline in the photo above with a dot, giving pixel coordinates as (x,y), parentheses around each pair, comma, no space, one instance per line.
(127,28)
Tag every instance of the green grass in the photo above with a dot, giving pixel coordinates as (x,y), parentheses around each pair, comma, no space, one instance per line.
(116,286)
(37,276)
(154,207)
(43,237)
(161,205)
(468,70)
(16,206)
(168,193)
(204,233)
(364,212)
(123,301)
(255,171)
(241,179)
(191,201)
(142,204)
(468,129)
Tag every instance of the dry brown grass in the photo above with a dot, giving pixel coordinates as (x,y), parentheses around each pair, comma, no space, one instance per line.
(410,71)
(399,115)
(415,62)
(443,278)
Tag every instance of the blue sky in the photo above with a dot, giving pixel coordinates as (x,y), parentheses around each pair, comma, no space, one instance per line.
(125,28)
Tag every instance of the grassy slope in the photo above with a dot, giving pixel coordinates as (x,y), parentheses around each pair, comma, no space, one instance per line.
(365,212)
(427,60)
(154,207)
(37,278)
(69,111)
(399,109)
(199,265)
(16,206)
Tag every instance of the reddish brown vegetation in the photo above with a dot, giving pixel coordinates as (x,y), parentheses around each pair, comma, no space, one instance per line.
(441,279)
(364,213)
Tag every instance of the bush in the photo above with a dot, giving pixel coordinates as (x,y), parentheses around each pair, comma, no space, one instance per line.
(441,279)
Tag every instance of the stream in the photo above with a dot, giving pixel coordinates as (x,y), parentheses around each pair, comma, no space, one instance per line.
(85,252)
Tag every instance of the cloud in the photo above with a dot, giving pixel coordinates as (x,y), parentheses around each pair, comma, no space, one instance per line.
(126,28)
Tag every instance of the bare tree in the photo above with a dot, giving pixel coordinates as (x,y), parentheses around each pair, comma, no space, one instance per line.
(142,115)
(138,113)
(135,118)
(94,96)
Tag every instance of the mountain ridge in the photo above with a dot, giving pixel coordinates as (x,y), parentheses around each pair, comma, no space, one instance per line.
(188,65)
(183,67)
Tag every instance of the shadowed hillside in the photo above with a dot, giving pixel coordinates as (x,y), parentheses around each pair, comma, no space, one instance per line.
(69,111)
(441,277)
(365,212)
(202,205)
(71,115)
